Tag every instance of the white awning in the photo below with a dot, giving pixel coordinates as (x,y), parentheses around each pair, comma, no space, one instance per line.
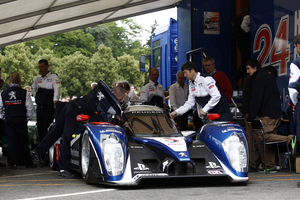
(24,20)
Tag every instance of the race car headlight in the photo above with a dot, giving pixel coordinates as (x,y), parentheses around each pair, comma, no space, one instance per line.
(236,153)
(113,156)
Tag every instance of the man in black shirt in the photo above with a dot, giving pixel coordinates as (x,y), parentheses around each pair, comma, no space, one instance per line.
(265,105)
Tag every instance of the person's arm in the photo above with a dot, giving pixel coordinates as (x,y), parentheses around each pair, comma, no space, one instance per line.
(56,88)
(34,87)
(29,106)
(245,25)
(172,98)
(294,83)
(144,94)
(210,86)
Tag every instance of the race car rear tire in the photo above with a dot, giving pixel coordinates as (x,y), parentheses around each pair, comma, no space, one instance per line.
(52,163)
(85,156)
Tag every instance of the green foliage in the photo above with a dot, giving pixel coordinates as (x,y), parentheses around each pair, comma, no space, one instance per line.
(104,66)
(152,27)
(65,44)
(70,42)
(74,75)
(124,38)
(101,33)
(17,59)
(44,43)
(129,69)
(74,57)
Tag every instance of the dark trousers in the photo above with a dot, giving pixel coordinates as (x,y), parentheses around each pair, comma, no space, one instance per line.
(17,140)
(66,125)
(250,144)
(45,116)
(296,119)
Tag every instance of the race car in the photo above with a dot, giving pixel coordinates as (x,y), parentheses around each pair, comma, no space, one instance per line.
(144,142)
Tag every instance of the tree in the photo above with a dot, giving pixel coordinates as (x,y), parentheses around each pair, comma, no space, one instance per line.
(75,74)
(70,42)
(104,66)
(17,59)
(129,69)
(44,43)
(101,34)
(65,44)
(153,28)
(124,39)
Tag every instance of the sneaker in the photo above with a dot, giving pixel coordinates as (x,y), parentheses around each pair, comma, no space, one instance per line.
(66,174)
(294,144)
(37,158)
(273,170)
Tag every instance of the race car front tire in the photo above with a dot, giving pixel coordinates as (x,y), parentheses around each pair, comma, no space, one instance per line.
(85,156)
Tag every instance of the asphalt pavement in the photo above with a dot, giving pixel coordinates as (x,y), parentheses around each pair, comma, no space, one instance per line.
(43,183)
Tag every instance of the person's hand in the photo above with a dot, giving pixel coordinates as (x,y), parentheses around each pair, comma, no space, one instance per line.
(54,102)
(173,114)
(202,113)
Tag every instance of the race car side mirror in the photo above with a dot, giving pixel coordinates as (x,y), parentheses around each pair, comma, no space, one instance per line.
(82,118)
(213,117)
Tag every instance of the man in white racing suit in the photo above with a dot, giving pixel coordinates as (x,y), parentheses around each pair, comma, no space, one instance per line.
(204,92)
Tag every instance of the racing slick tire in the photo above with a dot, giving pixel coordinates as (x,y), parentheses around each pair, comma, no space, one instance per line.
(52,162)
(85,156)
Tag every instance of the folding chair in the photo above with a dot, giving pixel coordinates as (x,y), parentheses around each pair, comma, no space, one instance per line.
(257,125)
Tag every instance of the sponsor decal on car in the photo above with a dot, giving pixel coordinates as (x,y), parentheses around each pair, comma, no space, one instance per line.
(146,112)
(198,146)
(182,154)
(136,147)
(141,167)
(231,129)
(214,172)
(176,144)
(136,177)
(57,152)
(212,165)
(75,162)
(74,152)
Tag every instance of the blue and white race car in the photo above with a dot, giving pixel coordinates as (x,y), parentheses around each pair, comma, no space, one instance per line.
(144,142)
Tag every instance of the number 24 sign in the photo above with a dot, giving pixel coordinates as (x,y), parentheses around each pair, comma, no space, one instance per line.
(273,52)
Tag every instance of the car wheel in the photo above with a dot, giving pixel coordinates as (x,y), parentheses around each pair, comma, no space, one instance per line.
(52,163)
(85,156)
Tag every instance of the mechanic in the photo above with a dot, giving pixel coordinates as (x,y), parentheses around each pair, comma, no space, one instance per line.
(265,105)
(204,92)
(220,77)
(18,110)
(153,88)
(66,125)
(178,93)
(294,86)
(46,90)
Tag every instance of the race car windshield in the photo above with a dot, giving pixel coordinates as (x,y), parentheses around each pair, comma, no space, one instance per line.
(158,125)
